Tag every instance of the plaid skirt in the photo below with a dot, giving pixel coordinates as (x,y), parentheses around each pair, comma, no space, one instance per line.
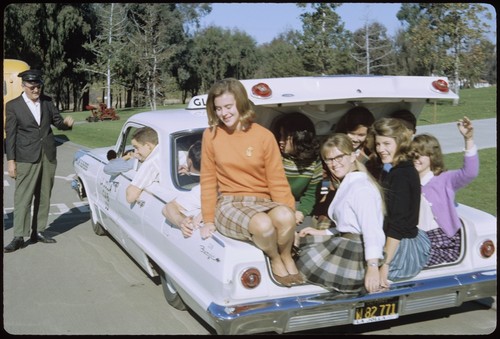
(233,214)
(410,257)
(332,262)
(443,248)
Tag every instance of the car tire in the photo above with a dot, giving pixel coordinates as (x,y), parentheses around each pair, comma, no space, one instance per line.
(98,229)
(173,298)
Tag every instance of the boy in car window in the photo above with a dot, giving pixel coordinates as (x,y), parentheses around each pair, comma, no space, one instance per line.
(185,210)
(145,141)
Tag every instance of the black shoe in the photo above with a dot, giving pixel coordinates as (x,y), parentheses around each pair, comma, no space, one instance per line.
(42,238)
(15,244)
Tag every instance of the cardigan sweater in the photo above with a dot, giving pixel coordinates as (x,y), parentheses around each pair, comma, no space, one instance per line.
(241,163)
(304,182)
(402,197)
(439,190)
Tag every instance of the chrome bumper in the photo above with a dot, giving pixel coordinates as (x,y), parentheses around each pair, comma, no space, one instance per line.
(293,314)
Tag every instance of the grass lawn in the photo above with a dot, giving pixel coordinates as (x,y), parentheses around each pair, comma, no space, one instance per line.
(479,103)
(482,192)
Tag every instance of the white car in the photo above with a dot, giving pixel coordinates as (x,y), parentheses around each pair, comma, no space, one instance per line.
(227,282)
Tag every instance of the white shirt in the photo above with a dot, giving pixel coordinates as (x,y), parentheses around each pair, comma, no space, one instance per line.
(357,208)
(190,201)
(33,106)
(148,171)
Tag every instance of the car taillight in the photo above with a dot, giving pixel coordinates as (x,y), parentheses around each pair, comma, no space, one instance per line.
(262,90)
(487,249)
(250,278)
(441,86)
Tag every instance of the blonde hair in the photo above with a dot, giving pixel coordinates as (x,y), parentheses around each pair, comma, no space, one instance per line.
(428,145)
(394,128)
(344,144)
(243,104)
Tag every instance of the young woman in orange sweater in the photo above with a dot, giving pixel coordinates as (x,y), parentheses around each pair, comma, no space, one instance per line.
(244,191)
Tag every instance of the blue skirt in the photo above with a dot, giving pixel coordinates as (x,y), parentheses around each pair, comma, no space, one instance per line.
(410,257)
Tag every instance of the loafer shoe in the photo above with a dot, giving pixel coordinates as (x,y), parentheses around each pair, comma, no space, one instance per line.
(297,279)
(15,244)
(283,281)
(42,238)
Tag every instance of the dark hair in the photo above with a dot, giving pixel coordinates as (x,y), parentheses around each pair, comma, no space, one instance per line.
(303,133)
(353,118)
(407,117)
(194,153)
(111,154)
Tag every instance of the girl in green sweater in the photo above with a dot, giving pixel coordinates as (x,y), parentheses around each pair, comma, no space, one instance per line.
(299,147)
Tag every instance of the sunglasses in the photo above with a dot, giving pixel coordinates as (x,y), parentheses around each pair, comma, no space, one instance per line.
(31,88)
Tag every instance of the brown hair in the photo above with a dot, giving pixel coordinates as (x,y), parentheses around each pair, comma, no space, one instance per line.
(243,104)
(145,134)
(428,145)
(394,128)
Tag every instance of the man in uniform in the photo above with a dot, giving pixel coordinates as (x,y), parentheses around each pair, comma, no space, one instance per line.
(31,158)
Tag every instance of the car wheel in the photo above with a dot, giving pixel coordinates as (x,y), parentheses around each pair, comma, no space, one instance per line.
(173,298)
(98,229)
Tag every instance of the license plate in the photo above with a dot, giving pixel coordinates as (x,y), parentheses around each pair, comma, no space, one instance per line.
(377,310)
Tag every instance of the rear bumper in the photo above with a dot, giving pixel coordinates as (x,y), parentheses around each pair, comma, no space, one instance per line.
(328,309)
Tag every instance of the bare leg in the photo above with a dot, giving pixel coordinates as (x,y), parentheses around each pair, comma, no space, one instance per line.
(264,237)
(283,220)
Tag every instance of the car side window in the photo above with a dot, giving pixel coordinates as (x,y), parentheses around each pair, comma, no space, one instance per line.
(184,174)
(126,144)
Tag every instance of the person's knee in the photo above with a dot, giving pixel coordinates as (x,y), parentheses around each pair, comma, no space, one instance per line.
(261,224)
(283,215)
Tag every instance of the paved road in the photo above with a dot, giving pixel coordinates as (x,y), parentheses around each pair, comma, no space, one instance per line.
(485,135)
(86,285)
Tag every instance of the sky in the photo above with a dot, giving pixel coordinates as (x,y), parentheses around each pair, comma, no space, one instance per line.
(264,21)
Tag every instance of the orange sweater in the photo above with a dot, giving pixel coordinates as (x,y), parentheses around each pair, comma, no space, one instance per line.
(244,163)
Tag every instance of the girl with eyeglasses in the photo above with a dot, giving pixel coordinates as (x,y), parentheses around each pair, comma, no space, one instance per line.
(346,258)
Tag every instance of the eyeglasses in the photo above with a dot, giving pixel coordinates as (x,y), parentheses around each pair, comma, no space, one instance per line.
(338,159)
(31,88)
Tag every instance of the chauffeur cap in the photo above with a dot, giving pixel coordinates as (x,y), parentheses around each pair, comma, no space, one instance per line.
(31,75)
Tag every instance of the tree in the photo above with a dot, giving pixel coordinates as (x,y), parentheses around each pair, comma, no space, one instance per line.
(183,65)
(111,22)
(280,57)
(324,41)
(49,37)
(221,53)
(442,33)
(372,48)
